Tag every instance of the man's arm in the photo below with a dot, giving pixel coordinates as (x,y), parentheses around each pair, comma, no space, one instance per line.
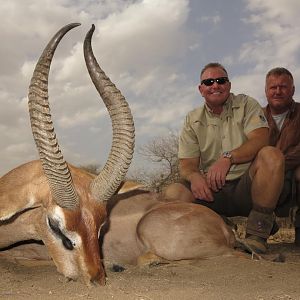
(189,170)
(189,166)
(257,139)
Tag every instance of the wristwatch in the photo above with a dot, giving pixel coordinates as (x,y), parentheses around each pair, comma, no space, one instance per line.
(227,154)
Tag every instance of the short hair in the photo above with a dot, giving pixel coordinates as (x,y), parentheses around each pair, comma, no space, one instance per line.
(213,65)
(278,71)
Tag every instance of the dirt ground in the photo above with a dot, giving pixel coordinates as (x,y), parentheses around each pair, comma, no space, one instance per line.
(216,278)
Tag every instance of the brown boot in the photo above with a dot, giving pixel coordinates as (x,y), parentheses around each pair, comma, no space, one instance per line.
(259,226)
(256,244)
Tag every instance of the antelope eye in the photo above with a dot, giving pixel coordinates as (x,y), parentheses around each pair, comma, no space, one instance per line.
(67,244)
(56,230)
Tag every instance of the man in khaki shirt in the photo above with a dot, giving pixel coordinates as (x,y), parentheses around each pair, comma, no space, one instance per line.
(224,159)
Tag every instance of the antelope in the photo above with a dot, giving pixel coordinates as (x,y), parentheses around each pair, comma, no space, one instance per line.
(53,201)
(144,228)
(65,207)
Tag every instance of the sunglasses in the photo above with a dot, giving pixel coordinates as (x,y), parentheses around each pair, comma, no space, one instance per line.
(210,81)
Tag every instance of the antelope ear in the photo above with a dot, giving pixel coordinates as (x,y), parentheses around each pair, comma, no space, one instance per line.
(21,189)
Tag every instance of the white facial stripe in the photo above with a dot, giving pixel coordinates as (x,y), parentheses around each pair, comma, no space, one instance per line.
(64,260)
(59,217)
(99,231)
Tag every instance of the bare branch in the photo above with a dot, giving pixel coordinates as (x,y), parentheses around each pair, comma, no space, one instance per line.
(161,150)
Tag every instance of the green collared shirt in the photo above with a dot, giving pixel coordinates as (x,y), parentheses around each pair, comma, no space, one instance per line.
(207,135)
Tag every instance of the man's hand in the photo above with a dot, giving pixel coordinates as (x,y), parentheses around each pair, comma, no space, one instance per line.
(189,170)
(200,188)
(216,175)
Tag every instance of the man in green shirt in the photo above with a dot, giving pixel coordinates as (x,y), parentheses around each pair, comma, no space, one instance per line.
(225,161)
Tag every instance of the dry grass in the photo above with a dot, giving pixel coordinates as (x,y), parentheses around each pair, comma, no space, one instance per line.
(286,233)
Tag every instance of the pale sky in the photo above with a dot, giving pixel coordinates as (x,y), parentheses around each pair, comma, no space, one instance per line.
(153,50)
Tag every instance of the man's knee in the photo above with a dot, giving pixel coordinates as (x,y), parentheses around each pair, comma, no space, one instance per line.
(271,158)
(177,192)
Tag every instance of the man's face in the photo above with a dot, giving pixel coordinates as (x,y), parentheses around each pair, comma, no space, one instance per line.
(216,94)
(279,92)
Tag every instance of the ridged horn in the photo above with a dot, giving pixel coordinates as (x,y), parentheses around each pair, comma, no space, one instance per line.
(54,165)
(121,152)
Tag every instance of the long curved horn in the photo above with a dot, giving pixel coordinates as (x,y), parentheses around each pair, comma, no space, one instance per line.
(114,171)
(54,165)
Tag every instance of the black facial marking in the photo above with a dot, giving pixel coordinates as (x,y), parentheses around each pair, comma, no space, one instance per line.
(55,228)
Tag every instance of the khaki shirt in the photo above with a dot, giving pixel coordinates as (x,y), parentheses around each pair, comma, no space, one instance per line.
(207,135)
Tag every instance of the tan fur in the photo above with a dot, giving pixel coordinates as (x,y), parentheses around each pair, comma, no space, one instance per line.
(25,205)
(142,229)
(142,226)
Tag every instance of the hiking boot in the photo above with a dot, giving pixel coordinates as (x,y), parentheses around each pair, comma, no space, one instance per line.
(260,224)
(297,236)
(256,244)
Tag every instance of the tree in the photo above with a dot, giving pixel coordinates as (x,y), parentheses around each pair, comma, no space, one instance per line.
(162,151)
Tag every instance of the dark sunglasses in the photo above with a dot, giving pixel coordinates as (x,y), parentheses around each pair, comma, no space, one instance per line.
(210,81)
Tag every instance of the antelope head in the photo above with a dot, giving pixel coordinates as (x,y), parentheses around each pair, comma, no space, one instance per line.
(73,206)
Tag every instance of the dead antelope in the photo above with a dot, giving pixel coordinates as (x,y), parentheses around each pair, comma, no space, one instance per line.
(141,228)
(53,201)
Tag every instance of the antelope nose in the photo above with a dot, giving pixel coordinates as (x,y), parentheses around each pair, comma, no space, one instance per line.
(99,278)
